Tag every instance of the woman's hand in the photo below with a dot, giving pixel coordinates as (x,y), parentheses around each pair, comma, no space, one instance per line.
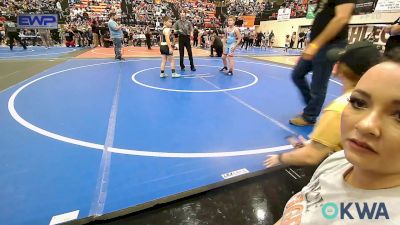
(298,142)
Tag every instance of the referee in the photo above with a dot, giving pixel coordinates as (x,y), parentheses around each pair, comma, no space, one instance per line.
(184,29)
(12,33)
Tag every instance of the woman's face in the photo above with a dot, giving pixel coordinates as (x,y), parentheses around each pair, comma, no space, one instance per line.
(231,22)
(371,121)
(168,23)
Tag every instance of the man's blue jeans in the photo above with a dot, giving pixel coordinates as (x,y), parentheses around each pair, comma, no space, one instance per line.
(314,94)
(117,47)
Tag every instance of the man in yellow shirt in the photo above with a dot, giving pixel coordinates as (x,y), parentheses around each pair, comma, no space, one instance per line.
(354,61)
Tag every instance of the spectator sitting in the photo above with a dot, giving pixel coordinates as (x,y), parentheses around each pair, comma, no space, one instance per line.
(107,40)
(354,61)
(69,38)
(367,172)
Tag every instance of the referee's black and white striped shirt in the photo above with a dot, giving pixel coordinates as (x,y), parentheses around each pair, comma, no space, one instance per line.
(183,27)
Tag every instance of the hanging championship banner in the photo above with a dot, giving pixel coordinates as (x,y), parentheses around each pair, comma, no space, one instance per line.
(368,32)
(364,7)
(310,11)
(387,6)
(284,14)
(248,21)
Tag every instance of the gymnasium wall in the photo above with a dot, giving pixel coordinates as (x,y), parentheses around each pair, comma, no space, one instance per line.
(282,28)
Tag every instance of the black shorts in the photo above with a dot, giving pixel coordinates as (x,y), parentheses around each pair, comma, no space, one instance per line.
(164,50)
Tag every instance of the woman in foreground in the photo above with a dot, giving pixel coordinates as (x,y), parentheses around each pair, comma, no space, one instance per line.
(360,185)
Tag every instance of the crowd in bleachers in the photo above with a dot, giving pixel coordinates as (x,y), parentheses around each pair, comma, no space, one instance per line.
(244,8)
(12,8)
(270,8)
(147,13)
(92,9)
(298,7)
(200,13)
(80,15)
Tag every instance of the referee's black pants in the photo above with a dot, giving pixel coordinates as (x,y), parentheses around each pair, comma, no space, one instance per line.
(245,42)
(184,41)
(148,42)
(195,41)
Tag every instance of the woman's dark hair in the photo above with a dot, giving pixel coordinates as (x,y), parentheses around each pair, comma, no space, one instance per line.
(393,55)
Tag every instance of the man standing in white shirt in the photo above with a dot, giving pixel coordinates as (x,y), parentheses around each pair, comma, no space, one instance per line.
(116,35)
